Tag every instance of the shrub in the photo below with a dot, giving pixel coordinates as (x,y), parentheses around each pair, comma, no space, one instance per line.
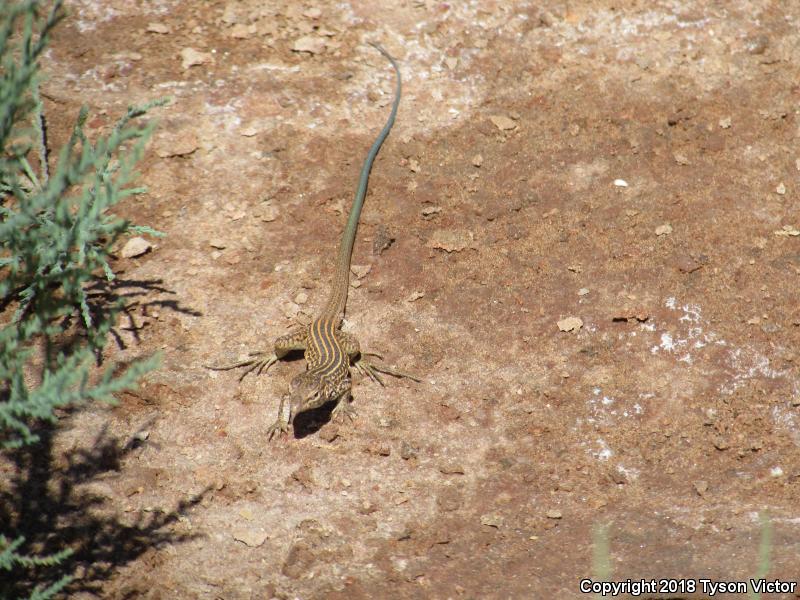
(56,235)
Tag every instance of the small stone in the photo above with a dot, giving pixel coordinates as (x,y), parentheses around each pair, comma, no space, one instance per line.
(269,213)
(312,13)
(430,211)
(290,309)
(360,271)
(788,231)
(229,13)
(413,165)
(701,487)
(720,443)
(176,144)
(618,476)
(620,183)
(553,514)
(382,449)
(725,123)
(781,189)
(756,44)
(665,229)
(135,246)
(451,468)
(309,43)
(382,241)
(192,58)
(570,324)
(449,240)
(414,296)
(680,158)
(248,131)
(477,160)
(503,123)
(158,28)
(301,298)
(250,536)
(407,451)
(492,520)
(240,31)
(329,433)
(583,291)
(218,244)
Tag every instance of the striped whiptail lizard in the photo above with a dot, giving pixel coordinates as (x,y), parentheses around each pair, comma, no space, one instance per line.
(328,349)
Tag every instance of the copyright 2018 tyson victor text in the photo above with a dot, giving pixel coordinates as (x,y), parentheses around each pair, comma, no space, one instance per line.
(711,587)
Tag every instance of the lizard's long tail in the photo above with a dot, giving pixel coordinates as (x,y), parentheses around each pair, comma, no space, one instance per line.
(338,298)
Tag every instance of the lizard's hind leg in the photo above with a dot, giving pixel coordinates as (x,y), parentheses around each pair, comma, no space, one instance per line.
(261,361)
(370,369)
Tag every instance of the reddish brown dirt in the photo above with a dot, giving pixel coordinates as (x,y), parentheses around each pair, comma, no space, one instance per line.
(672,416)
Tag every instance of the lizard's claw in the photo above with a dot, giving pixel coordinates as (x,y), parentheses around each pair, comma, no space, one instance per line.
(260,363)
(279,427)
(371,370)
(343,409)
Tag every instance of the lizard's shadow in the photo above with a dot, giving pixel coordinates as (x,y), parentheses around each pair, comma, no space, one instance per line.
(311,421)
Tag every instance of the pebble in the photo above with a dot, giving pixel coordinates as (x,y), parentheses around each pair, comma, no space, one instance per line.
(503,123)
(407,451)
(158,28)
(301,298)
(492,520)
(136,246)
(665,229)
(269,214)
(570,324)
(191,57)
(176,144)
(451,468)
(449,240)
(680,158)
(360,271)
(309,43)
(251,536)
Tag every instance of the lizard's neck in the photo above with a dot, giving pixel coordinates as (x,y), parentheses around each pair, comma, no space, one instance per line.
(341,280)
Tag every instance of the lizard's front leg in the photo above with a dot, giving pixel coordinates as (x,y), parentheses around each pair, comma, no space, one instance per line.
(344,408)
(281,424)
(370,369)
(262,361)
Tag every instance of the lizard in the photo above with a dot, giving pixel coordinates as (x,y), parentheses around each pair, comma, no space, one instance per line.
(329,350)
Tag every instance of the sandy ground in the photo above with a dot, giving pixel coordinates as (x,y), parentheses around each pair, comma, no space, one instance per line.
(627,169)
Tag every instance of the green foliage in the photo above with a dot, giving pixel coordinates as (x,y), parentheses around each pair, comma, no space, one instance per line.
(56,236)
(601,554)
(55,239)
(10,559)
(764,549)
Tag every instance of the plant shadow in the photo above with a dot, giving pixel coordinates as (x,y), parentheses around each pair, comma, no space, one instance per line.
(46,501)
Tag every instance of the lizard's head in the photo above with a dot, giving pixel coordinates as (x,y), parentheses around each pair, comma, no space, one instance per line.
(306,393)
